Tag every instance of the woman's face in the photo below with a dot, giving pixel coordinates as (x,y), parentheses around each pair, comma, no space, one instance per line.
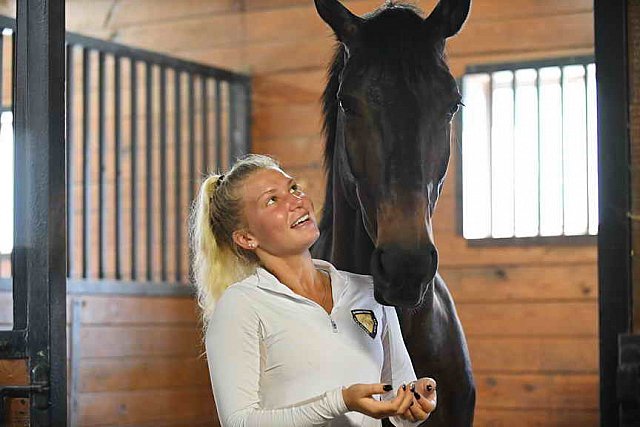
(280,217)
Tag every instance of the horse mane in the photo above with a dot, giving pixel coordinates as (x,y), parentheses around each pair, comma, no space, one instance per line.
(330,103)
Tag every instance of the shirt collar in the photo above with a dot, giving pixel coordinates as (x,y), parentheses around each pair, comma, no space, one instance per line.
(268,281)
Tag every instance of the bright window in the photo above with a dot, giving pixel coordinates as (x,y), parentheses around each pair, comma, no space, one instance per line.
(529,156)
(6,182)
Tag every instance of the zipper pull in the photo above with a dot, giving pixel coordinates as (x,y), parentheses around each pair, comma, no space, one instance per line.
(334,326)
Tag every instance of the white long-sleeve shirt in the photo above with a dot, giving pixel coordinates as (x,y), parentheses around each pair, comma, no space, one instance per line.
(279,359)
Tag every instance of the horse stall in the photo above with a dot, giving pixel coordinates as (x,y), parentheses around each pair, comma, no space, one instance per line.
(165,91)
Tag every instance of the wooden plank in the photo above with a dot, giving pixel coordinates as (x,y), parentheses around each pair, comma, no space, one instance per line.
(533,355)
(515,283)
(140,341)
(141,12)
(140,310)
(302,152)
(120,408)
(567,319)
(454,251)
(286,121)
(536,418)
(289,87)
(18,412)
(96,375)
(542,392)
(82,16)
(14,372)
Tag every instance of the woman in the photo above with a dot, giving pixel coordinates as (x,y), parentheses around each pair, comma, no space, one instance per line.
(290,333)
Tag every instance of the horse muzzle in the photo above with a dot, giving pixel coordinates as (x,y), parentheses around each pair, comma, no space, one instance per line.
(401,276)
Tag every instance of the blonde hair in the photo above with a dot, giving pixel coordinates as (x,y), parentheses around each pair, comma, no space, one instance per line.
(217,212)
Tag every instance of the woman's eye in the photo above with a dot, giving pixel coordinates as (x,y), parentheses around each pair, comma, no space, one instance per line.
(271,200)
(295,188)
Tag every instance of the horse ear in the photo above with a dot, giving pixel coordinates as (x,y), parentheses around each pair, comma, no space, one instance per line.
(345,24)
(447,18)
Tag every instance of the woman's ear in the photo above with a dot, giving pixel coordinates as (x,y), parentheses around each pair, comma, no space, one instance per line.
(244,239)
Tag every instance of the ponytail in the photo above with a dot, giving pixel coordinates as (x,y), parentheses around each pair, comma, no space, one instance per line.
(217,261)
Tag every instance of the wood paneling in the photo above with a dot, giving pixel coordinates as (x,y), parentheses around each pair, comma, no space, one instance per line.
(530,319)
(525,354)
(541,392)
(537,418)
(128,407)
(522,283)
(108,375)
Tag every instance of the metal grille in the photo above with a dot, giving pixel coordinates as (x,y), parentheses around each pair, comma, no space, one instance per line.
(529,156)
(142,130)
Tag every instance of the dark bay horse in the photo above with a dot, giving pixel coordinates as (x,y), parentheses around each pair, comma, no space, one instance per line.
(388,106)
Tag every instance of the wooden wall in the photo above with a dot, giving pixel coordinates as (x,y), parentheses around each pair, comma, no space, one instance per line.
(530,313)
(133,361)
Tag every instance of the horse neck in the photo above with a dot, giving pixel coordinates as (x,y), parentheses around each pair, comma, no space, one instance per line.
(344,241)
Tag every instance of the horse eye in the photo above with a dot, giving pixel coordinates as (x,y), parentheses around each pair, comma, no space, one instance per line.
(347,105)
(454,109)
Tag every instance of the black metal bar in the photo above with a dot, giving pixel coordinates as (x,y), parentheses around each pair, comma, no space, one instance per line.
(1,68)
(71,173)
(218,114)
(553,62)
(248,114)
(562,186)
(192,144)
(178,173)
(238,127)
(614,234)
(539,169)
(102,155)
(586,141)
(41,201)
(490,138)
(74,359)
(149,168)
(231,119)
(204,93)
(513,150)
(86,163)
(163,175)
(117,205)
(13,69)
(97,287)
(134,173)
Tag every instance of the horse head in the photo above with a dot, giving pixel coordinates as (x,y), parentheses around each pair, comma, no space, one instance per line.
(393,100)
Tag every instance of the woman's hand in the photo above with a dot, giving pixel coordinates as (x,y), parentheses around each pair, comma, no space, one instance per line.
(358,397)
(425,400)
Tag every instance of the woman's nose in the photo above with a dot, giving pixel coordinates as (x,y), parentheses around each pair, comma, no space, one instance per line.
(297,198)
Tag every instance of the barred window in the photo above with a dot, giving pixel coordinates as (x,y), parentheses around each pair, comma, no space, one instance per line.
(529,153)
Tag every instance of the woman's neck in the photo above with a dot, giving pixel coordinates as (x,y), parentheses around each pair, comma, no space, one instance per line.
(296,272)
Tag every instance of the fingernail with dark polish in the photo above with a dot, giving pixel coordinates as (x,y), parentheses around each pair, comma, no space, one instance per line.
(387,387)
(404,386)
(429,387)
(417,396)
(411,403)
(413,387)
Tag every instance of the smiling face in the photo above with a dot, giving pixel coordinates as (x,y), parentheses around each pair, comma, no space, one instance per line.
(279,217)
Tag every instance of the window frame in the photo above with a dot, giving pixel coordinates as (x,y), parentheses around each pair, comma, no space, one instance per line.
(563,240)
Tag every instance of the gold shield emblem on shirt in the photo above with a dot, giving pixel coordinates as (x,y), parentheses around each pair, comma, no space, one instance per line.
(366,319)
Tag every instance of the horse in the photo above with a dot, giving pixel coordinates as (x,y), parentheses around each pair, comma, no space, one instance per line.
(387,109)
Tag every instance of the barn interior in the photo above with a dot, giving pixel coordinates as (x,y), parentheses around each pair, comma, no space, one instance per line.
(529,306)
